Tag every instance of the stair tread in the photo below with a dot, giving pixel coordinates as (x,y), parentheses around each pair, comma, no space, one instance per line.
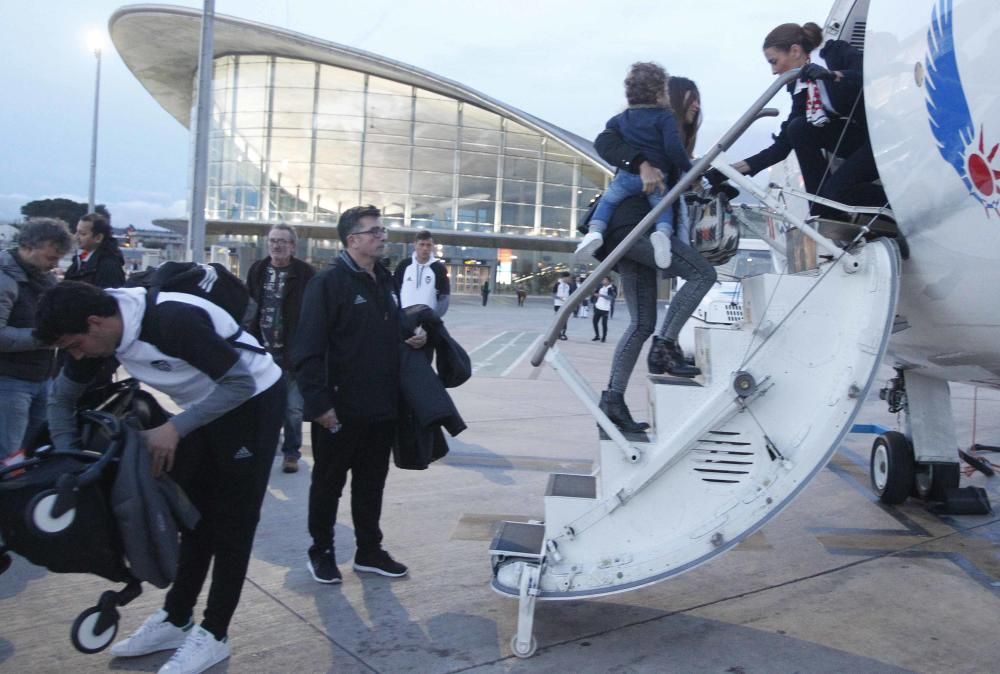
(519,539)
(641,436)
(669,380)
(572,486)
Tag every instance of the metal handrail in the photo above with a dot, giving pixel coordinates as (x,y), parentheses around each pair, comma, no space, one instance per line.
(755,112)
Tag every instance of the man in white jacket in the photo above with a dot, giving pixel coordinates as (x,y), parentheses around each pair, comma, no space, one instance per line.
(422,279)
(560,293)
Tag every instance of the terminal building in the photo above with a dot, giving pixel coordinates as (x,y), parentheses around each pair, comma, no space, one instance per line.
(303,129)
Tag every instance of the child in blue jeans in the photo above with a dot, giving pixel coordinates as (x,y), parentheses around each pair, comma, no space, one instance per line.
(647,125)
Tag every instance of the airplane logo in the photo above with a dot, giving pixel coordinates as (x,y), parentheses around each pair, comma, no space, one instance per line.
(969,153)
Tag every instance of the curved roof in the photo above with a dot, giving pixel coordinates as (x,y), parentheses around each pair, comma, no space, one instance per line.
(159,44)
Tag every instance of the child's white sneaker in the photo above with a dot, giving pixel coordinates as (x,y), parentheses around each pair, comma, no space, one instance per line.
(661,249)
(591,242)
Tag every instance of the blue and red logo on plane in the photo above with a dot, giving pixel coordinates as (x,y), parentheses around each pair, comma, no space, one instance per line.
(967,150)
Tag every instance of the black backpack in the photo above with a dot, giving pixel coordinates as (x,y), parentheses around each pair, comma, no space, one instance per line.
(212,282)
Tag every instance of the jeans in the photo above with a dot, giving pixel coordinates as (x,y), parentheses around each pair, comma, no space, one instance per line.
(362,449)
(292,443)
(22,412)
(223,467)
(638,275)
(622,186)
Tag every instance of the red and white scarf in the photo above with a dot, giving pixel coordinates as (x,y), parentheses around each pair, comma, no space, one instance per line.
(817,97)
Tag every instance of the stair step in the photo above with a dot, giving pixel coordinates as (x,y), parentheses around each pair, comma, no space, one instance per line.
(519,539)
(572,486)
(641,436)
(668,380)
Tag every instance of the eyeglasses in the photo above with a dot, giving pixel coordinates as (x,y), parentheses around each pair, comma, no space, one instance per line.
(374,231)
(279,242)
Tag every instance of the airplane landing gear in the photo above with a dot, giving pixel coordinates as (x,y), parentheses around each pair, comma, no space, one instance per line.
(920,462)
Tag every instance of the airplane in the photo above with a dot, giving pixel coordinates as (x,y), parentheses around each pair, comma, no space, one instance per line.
(782,386)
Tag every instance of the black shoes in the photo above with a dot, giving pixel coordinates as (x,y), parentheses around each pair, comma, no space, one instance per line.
(596,339)
(613,405)
(323,566)
(378,561)
(666,358)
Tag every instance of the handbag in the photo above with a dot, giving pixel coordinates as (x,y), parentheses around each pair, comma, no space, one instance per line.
(714,231)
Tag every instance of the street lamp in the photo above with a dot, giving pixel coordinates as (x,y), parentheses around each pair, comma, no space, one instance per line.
(95,41)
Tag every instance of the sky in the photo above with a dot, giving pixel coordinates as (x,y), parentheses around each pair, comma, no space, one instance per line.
(560,60)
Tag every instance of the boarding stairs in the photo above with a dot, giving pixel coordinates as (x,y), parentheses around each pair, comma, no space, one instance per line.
(727,450)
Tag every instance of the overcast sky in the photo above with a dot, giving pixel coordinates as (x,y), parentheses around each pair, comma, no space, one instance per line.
(560,60)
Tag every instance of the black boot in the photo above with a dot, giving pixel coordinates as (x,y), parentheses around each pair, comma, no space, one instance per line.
(613,405)
(666,358)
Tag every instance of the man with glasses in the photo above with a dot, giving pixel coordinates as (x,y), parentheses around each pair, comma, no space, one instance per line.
(346,356)
(277,284)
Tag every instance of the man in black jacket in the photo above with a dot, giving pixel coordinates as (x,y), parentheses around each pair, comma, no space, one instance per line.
(346,357)
(277,284)
(99,261)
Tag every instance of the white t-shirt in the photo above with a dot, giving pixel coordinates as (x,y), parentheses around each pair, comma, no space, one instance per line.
(603,302)
(562,293)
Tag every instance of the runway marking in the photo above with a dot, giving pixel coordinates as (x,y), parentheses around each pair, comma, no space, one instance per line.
(488,342)
(521,358)
(970,543)
(505,347)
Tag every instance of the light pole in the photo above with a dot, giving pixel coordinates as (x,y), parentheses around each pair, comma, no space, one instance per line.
(95,43)
(202,128)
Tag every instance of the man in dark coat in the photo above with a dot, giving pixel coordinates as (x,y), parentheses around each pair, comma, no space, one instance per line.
(277,284)
(346,356)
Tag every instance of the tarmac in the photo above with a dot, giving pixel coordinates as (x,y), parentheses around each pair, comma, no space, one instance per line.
(838,582)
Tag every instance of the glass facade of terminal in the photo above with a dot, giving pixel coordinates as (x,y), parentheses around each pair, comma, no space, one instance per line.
(299,141)
(302,141)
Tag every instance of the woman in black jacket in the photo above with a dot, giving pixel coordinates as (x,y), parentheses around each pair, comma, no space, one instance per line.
(828,113)
(99,261)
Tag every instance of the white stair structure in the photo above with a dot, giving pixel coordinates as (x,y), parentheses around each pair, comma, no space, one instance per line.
(728,450)
(777,396)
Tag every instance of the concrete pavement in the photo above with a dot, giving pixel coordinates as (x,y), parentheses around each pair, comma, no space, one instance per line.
(836,583)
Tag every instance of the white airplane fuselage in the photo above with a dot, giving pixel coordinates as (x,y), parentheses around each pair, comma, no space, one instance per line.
(943,186)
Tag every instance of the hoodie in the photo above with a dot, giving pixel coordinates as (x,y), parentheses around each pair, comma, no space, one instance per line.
(425,284)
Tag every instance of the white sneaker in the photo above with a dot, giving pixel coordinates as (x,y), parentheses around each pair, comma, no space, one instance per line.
(591,242)
(661,249)
(199,651)
(156,634)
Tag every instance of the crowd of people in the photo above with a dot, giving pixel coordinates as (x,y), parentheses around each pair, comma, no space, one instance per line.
(326,347)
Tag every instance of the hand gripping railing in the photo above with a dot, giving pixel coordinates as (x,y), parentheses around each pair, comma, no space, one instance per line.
(755,112)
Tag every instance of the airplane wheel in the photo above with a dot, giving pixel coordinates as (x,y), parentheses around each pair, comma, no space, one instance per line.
(82,633)
(40,518)
(891,467)
(523,653)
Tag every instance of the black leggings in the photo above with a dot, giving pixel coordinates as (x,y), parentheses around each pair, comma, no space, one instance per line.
(601,315)
(223,467)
